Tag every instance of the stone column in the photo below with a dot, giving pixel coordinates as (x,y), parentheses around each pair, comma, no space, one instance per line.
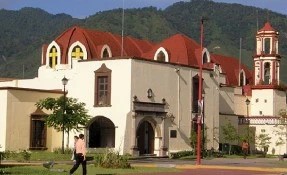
(163,148)
(134,147)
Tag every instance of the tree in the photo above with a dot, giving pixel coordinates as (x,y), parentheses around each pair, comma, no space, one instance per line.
(263,141)
(280,129)
(75,114)
(249,136)
(193,139)
(229,134)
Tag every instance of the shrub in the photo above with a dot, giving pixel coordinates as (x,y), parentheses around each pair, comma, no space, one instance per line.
(26,155)
(112,160)
(21,155)
(181,154)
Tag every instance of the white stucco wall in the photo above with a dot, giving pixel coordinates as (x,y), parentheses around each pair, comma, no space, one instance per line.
(3,119)
(81,85)
(262,102)
(279,101)
(226,100)
(174,84)
(270,131)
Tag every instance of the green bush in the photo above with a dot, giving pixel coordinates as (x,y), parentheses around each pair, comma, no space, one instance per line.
(112,160)
(21,155)
(181,154)
(26,155)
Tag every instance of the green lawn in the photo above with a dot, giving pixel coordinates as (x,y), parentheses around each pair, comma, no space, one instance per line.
(39,170)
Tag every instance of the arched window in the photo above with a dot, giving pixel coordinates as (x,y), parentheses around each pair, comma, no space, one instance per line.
(161,55)
(242,78)
(205,56)
(77,53)
(106,52)
(53,57)
(267,73)
(205,59)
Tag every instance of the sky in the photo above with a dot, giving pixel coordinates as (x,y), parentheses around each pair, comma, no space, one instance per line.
(85,8)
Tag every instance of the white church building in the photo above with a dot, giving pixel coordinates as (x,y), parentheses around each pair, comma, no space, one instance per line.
(143,96)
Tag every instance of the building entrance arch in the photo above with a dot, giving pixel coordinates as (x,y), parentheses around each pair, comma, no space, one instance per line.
(145,138)
(101,133)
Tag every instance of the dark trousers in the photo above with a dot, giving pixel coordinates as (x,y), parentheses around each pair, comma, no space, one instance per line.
(245,152)
(79,160)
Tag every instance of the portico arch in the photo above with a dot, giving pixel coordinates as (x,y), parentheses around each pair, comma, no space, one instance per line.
(101,133)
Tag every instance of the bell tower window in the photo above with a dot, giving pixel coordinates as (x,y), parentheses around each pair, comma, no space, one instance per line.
(267,43)
(267,73)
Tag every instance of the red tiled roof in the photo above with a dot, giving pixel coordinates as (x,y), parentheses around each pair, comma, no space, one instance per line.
(267,27)
(230,66)
(91,39)
(180,48)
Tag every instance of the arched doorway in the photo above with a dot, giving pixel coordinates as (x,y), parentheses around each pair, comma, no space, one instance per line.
(145,138)
(101,133)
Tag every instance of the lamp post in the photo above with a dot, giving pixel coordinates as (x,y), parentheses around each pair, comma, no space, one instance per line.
(247,101)
(64,82)
(200,103)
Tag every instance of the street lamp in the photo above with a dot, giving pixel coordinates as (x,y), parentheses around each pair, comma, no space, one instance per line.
(247,101)
(64,82)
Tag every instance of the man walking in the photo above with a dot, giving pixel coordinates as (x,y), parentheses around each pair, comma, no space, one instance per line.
(245,147)
(80,155)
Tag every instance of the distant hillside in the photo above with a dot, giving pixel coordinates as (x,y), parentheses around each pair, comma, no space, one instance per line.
(23,32)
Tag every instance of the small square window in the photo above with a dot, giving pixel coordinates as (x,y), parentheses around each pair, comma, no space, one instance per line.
(257,100)
(173,134)
(265,101)
(263,130)
(260,112)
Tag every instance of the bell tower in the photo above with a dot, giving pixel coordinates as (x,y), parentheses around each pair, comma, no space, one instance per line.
(266,58)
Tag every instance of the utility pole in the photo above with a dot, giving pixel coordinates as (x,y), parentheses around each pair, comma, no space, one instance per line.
(200,102)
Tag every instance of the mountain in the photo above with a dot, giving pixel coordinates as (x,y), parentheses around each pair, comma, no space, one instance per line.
(24,32)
